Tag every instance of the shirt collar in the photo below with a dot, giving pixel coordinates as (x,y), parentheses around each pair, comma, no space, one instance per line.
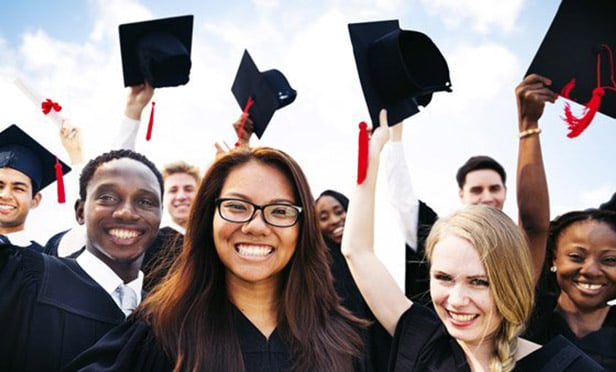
(20,238)
(104,276)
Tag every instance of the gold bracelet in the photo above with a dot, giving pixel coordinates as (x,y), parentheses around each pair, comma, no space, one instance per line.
(529,132)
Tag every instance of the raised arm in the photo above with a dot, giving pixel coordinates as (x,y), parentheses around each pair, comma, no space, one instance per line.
(532,189)
(137,99)
(401,194)
(377,286)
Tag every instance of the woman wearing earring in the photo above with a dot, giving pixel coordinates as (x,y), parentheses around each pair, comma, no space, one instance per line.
(582,275)
(481,284)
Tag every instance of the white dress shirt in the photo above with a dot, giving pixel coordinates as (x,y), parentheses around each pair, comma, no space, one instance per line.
(107,278)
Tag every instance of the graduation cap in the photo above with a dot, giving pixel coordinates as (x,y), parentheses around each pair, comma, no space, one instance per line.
(157,51)
(23,153)
(398,69)
(260,93)
(577,54)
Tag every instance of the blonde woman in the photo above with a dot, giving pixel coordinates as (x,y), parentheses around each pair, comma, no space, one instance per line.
(481,284)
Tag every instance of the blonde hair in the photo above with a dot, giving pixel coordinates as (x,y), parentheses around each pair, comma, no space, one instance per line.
(181,167)
(506,259)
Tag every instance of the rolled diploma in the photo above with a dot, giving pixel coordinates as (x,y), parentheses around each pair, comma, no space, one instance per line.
(37,99)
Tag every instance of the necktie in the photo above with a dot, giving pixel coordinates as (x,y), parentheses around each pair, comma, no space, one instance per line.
(127,297)
(4,240)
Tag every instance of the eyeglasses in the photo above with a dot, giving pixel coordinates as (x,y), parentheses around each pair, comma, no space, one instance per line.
(275,214)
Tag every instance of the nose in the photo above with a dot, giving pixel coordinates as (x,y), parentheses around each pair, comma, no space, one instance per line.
(5,192)
(256,225)
(125,211)
(458,296)
(487,197)
(591,268)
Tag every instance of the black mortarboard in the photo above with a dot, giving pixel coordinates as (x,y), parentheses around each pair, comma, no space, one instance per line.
(269,91)
(577,54)
(157,51)
(398,69)
(21,152)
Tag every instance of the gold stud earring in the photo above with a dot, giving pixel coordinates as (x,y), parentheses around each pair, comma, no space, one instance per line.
(553,268)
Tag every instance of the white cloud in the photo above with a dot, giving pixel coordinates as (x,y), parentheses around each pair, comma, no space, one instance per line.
(482,15)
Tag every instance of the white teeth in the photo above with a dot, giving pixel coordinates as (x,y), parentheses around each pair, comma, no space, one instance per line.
(590,286)
(6,207)
(254,250)
(123,233)
(462,317)
(338,230)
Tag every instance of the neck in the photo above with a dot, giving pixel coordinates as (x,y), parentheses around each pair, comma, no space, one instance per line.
(126,270)
(257,301)
(581,321)
(11,229)
(478,356)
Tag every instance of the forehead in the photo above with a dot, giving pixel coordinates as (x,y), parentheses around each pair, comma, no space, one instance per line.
(180,179)
(590,233)
(456,256)
(258,181)
(482,177)
(328,202)
(10,175)
(125,173)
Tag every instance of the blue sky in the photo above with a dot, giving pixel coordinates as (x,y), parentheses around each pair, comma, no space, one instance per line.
(70,51)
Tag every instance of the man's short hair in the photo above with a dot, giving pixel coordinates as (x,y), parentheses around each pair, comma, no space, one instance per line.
(181,167)
(477,163)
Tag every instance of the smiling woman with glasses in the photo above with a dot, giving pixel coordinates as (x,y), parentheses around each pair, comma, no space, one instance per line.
(253,279)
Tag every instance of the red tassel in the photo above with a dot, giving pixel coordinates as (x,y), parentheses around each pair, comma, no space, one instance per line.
(362,153)
(243,122)
(49,105)
(567,88)
(148,135)
(60,181)
(578,125)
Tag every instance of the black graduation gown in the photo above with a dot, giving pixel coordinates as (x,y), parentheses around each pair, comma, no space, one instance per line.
(421,343)
(546,323)
(50,311)
(132,347)
(377,341)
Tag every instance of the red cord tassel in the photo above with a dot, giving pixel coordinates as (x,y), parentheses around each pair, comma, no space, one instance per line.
(148,135)
(243,122)
(60,182)
(48,105)
(362,153)
(578,124)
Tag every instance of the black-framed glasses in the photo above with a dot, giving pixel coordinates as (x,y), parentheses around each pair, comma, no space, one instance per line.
(241,211)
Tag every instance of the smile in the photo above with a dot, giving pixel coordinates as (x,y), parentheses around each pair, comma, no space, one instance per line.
(588,286)
(462,317)
(251,250)
(4,207)
(124,234)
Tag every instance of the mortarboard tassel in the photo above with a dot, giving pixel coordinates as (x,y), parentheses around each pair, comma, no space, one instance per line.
(148,134)
(578,124)
(48,105)
(60,181)
(243,122)
(362,153)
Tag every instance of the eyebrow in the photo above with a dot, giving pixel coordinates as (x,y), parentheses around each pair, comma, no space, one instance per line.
(245,197)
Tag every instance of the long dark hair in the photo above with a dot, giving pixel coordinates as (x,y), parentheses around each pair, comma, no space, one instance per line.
(190,312)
